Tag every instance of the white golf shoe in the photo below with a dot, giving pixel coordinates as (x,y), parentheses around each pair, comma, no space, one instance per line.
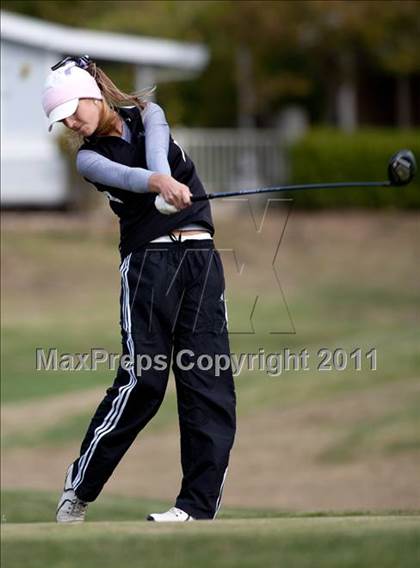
(70,508)
(174,515)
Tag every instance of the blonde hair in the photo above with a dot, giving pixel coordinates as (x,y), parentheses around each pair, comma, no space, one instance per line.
(113,98)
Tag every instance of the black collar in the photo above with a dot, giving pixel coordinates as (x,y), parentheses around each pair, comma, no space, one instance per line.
(132,117)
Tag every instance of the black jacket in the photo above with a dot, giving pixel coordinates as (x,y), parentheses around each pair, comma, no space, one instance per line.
(140,221)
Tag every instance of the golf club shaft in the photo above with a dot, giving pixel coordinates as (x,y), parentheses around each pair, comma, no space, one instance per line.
(292,188)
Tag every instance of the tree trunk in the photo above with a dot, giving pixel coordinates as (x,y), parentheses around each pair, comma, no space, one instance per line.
(245,88)
(346,98)
(403,102)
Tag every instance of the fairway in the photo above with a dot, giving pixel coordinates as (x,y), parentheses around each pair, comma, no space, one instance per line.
(386,541)
(337,441)
(324,471)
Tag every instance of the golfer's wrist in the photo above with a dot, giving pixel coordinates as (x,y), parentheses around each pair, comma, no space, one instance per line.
(155,182)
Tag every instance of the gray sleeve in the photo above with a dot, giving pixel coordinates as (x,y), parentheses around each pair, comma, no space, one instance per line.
(157,138)
(97,168)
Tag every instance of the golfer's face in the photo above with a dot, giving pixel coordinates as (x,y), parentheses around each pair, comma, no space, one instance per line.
(86,118)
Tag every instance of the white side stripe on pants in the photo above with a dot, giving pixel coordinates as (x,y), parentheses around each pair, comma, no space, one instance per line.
(219,499)
(120,401)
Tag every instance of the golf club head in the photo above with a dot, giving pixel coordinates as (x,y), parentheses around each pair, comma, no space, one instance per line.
(402,167)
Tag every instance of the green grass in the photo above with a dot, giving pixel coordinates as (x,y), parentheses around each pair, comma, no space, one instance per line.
(115,534)
(21,380)
(341,293)
(348,542)
(73,428)
(52,303)
(395,337)
(20,506)
(393,431)
(30,506)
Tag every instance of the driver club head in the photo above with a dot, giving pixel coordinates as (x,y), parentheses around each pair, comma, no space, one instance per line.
(402,167)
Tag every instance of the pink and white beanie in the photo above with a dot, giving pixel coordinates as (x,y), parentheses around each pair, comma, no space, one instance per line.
(63,89)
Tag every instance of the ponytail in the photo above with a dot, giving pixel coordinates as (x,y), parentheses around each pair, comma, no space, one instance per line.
(112,94)
(113,98)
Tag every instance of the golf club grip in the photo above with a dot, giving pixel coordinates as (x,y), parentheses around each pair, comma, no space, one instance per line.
(204,197)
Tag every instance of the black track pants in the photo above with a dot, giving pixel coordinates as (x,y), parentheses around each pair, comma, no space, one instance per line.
(172,312)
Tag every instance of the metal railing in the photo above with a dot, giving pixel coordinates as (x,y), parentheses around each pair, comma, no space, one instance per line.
(229,159)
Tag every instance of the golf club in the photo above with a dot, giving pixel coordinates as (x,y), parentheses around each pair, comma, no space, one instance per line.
(401,170)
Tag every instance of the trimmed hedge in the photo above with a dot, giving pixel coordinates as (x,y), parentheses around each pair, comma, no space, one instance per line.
(325,155)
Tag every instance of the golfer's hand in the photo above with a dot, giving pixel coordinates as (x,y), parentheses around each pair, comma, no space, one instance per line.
(172,191)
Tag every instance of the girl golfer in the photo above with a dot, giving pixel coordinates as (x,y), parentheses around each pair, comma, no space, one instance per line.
(172,293)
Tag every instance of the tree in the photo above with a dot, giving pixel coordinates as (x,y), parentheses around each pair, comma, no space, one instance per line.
(299,50)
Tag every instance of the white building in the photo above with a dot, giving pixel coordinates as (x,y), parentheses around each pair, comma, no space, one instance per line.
(33,172)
